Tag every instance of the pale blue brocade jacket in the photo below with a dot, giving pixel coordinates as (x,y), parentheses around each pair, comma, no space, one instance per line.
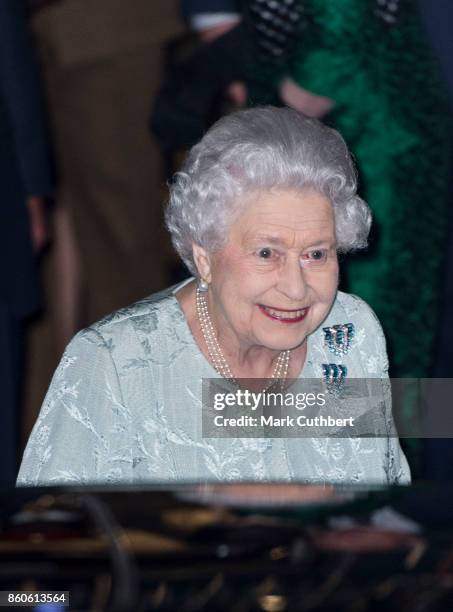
(124,406)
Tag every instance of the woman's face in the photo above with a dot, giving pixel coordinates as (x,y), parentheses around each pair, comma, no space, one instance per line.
(275,280)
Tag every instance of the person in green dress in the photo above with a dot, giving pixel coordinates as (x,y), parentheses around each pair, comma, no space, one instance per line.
(364,67)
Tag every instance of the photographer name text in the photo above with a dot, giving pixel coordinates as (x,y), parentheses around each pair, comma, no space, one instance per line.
(286,421)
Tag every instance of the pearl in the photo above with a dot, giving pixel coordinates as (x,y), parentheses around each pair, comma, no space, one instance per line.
(215,352)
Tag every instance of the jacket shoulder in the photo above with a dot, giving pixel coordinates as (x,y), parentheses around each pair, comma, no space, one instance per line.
(147,314)
(348,305)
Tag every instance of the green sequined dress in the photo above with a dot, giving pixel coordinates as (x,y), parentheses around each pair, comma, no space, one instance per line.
(391,109)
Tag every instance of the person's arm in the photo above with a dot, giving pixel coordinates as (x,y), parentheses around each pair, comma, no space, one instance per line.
(304,101)
(81,435)
(325,56)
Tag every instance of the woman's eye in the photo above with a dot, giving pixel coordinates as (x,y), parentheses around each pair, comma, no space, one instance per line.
(265,253)
(317,256)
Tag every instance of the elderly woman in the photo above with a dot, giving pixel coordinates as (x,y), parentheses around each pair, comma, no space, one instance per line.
(258,213)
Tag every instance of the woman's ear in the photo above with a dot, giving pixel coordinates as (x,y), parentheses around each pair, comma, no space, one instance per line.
(202,261)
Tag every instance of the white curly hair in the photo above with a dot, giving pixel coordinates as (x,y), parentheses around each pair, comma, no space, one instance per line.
(254,151)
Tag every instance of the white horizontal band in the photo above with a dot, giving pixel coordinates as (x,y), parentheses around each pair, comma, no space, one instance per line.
(204,21)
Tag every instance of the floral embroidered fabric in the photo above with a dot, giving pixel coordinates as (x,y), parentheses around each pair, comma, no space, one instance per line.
(124,406)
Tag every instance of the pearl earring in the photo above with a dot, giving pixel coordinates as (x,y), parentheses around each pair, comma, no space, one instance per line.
(203,285)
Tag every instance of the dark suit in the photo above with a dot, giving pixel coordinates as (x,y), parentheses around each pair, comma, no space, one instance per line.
(24,170)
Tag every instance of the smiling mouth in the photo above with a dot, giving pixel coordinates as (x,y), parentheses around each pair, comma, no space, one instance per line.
(285,316)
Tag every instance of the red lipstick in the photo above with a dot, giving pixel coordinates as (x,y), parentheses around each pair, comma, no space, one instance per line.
(281,318)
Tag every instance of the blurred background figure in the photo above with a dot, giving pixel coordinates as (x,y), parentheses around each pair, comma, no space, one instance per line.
(102,62)
(202,82)
(373,62)
(26,181)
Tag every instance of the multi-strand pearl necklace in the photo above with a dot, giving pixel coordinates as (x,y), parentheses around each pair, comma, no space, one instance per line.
(215,352)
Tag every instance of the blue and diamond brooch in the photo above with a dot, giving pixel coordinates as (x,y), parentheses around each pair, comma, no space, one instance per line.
(334,375)
(338,338)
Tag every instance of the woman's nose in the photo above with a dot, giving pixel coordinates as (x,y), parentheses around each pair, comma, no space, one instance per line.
(292,282)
